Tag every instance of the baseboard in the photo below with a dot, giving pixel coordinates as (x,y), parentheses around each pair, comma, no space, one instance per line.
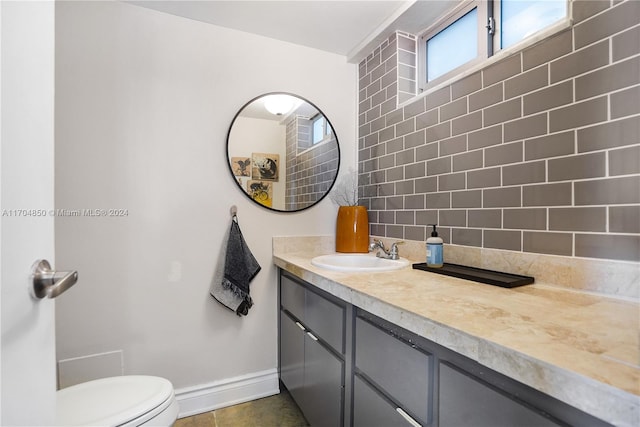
(227,392)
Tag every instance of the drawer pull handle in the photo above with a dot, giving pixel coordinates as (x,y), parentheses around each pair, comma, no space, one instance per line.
(406,416)
(313,337)
(299,325)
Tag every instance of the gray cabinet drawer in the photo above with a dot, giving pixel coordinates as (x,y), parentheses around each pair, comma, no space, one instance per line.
(372,410)
(403,372)
(292,297)
(464,401)
(325,319)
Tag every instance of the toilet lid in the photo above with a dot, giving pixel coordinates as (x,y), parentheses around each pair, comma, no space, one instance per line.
(111,401)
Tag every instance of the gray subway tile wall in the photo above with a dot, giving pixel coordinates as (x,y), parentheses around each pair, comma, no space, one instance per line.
(558,144)
(502,239)
(578,219)
(309,171)
(624,161)
(625,102)
(624,219)
(626,44)
(538,152)
(609,22)
(485,218)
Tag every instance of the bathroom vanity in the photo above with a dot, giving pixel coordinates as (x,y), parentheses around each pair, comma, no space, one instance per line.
(354,351)
(394,377)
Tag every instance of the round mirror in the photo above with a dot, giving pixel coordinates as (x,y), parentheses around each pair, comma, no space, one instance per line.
(283,152)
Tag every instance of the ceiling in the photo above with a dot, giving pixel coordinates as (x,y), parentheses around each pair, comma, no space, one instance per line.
(352,28)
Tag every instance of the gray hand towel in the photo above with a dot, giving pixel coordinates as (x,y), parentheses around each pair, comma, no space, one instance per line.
(230,286)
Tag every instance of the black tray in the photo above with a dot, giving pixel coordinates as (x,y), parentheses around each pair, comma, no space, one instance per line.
(490,277)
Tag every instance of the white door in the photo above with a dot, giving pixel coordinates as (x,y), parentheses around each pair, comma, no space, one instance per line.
(27,376)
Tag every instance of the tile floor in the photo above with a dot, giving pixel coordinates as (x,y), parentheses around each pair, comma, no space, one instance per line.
(274,411)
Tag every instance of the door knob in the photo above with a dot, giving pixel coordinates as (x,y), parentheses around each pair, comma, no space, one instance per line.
(49,283)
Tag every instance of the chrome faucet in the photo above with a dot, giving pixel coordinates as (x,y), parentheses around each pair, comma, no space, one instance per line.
(391,253)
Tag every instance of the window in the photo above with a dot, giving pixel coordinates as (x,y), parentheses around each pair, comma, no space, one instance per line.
(454,43)
(463,35)
(467,35)
(521,19)
(320,129)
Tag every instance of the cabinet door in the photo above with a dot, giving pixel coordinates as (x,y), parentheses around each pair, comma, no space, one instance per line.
(323,385)
(465,401)
(401,371)
(370,409)
(292,357)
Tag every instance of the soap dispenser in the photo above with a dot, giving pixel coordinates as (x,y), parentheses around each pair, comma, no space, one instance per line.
(434,249)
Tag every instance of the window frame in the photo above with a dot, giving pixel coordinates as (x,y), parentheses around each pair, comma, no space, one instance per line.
(456,13)
(326,129)
(489,49)
(496,11)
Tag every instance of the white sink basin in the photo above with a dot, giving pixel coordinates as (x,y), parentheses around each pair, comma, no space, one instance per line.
(358,263)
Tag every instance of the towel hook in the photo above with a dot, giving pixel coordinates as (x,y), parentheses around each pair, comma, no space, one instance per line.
(234,212)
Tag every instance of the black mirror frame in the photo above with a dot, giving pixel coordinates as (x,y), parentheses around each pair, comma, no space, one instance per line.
(228,158)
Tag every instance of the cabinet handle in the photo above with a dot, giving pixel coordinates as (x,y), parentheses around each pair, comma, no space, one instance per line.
(407,417)
(299,325)
(313,337)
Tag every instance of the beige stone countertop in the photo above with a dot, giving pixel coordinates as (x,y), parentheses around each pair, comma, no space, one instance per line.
(580,348)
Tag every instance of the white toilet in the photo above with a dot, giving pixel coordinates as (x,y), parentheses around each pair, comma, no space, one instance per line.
(130,400)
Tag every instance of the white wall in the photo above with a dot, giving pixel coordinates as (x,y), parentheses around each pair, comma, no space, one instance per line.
(143,105)
(250,135)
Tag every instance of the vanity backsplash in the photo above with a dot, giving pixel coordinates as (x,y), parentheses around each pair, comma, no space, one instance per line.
(617,279)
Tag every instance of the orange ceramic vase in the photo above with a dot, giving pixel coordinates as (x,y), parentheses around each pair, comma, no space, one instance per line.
(352,229)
